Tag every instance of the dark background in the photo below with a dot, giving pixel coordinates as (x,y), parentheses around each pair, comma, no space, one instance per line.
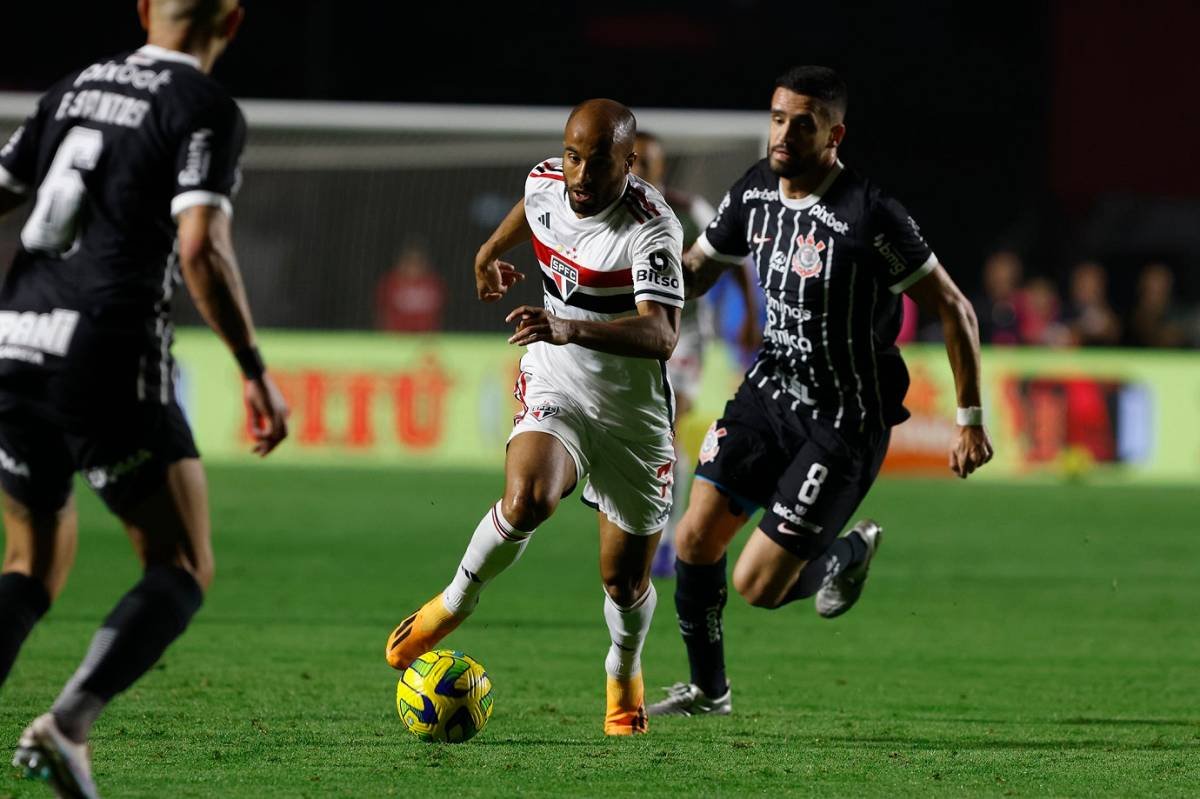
(1064,129)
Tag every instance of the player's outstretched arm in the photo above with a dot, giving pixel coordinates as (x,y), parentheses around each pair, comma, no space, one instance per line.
(937,294)
(650,334)
(701,272)
(493,277)
(210,270)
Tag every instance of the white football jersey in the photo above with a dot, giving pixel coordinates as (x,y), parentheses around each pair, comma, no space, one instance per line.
(598,268)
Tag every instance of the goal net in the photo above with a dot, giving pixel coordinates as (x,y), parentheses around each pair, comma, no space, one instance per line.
(337,198)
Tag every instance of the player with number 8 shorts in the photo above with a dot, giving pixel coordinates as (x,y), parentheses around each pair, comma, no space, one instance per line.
(807,431)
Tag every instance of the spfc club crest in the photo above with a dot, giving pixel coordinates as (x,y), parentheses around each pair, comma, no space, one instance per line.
(566,277)
(712,443)
(543,411)
(807,260)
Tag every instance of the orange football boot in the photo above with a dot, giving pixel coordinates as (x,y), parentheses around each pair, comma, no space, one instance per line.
(420,633)
(626,707)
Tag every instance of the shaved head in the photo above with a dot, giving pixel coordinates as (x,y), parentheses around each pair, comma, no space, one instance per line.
(604,120)
(201,28)
(203,13)
(598,147)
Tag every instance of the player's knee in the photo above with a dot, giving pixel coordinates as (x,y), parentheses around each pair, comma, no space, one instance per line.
(625,589)
(527,505)
(204,571)
(693,546)
(756,589)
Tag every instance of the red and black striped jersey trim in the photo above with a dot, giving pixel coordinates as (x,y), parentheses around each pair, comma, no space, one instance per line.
(638,205)
(547,169)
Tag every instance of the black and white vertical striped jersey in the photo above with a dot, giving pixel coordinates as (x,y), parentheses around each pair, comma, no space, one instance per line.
(113,153)
(832,266)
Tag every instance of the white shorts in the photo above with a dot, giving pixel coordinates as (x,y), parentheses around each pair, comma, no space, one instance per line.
(628,481)
(687,364)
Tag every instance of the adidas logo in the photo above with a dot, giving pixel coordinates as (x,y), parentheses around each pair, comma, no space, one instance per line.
(545,220)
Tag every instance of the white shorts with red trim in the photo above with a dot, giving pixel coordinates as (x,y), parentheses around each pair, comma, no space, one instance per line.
(628,481)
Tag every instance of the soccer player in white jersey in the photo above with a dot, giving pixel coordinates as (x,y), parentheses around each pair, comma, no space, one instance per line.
(593,386)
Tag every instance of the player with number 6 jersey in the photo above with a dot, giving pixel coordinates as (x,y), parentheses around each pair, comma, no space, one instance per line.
(131,164)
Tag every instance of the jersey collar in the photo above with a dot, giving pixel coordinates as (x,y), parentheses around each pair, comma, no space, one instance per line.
(815,197)
(157,53)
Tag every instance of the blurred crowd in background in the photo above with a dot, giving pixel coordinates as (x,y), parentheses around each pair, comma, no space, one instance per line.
(1016,307)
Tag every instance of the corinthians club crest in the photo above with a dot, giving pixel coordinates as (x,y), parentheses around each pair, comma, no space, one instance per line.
(566,277)
(807,260)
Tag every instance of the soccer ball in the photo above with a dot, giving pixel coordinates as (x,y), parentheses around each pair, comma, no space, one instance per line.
(445,696)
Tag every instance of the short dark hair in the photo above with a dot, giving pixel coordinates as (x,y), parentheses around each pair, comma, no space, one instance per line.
(821,83)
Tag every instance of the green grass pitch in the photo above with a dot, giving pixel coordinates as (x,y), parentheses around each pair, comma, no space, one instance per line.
(1013,641)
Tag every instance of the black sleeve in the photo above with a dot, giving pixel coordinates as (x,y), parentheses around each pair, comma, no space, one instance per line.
(725,237)
(901,254)
(208,159)
(18,157)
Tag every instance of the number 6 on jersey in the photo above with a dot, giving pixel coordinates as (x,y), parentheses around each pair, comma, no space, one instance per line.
(53,224)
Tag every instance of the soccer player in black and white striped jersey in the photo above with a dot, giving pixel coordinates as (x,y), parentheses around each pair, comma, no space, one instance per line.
(806,433)
(131,164)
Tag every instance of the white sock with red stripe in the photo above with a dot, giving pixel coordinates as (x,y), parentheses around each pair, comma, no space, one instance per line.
(494,547)
(628,628)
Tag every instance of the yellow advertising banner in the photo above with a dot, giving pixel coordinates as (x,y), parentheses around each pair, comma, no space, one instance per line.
(446,400)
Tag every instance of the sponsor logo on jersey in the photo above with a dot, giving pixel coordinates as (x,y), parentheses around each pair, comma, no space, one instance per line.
(30,335)
(199,156)
(13,466)
(125,74)
(544,219)
(712,443)
(779,311)
(102,476)
(807,260)
(543,411)
(894,259)
(800,391)
(566,277)
(757,239)
(819,211)
(789,340)
(770,195)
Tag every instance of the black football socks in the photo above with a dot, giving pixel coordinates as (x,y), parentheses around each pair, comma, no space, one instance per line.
(700,597)
(134,636)
(844,553)
(23,600)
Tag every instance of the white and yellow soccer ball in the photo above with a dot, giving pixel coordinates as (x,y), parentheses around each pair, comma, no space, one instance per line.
(445,696)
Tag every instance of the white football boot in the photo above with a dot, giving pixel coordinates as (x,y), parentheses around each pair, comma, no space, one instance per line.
(838,595)
(686,699)
(46,754)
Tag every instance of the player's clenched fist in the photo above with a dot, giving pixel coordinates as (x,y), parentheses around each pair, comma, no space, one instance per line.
(972,450)
(537,324)
(493,278)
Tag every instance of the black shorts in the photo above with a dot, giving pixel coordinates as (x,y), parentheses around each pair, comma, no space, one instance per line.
(808,475)
(124,457)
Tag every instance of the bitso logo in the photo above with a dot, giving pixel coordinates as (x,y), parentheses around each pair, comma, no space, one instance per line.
(712,443)
(807,260)
(566,277)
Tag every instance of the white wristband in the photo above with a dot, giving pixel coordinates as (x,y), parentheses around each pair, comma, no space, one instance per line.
(970,417)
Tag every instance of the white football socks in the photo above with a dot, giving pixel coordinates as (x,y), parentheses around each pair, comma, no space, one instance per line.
(628,628)
(494,547)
